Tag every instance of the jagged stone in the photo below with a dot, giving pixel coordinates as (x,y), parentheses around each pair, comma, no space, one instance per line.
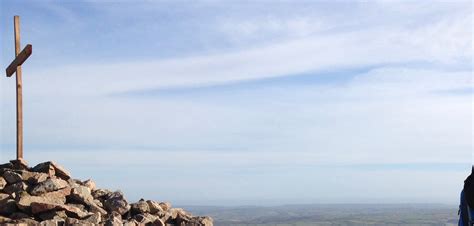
(145,218)
(72,221)
(4,196)
(165,206)
(33,177)
(131,222)
(7,207)
(83,195)
(101,193)
(89,184)
(157,222)
(57,199)
(24,200)
(49,185)
(52,168)
(93,219)
(140,207)
(19,164)
(70,210)
(12,177)
(175,212)
(117,203)
(51,215)
(24,222)
(154,207)
(18,215)
(4,219)
(3,183)
(114,219)
(16,187)
(52,222)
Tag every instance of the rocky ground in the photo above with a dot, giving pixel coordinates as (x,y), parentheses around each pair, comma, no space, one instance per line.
(47,195)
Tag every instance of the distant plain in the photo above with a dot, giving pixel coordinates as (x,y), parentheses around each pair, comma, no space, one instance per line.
(331,214)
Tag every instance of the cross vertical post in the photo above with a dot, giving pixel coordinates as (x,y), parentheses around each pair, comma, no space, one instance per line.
(19,94)
(15,67)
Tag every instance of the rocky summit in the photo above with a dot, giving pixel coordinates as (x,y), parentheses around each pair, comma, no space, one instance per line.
(47,195)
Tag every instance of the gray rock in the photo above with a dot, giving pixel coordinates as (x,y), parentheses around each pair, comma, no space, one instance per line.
(4,196)
(16,187)
(49,185)
(157,222)
(101,193)
(117,203)
(131,222)
(51,168)
(154,207)
(18,215)
(93,219)
(51,215)
(52,222)
(83,195)
(4,220)
(19,164)
(71,211)
(140,207)
(89,184)
(3,183)
(144,218)
(114,219)
(12,177)
(33,177)
(165,206)
(24,200)
(7,207)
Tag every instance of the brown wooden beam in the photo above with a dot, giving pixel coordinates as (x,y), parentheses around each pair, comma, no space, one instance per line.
(19,60)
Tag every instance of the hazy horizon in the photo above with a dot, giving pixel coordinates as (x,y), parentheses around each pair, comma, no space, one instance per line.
(206,102)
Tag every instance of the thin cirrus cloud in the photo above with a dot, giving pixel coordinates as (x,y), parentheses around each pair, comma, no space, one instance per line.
(254,99)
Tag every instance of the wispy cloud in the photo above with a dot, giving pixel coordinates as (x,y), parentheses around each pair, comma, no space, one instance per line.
(276,90)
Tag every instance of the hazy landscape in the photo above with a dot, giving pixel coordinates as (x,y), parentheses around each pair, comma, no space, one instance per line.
(334,214)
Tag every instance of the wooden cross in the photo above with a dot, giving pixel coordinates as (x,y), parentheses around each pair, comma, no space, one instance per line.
(15,66)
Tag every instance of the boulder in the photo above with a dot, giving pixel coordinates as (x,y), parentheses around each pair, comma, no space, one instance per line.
(7,207)
(145,218)
(51,168)
(71,211)
(19,164)
(3,183)
(83,195)
(158,222)
(101,194)
(89,184)
(117,203)
(52,222)
(54,214)
(49,185)
(165,206)
(154,207)
(140,207)
(33,177)
(114,219)
(16,187)
(12,177)
(4,220)
(94,219)
(24,200)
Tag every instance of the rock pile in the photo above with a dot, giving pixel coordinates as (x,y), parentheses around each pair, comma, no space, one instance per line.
(47,195)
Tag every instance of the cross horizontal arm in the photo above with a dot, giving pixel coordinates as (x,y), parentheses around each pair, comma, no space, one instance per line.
(19,60)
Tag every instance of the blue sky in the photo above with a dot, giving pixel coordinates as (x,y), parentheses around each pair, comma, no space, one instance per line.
(239,102)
